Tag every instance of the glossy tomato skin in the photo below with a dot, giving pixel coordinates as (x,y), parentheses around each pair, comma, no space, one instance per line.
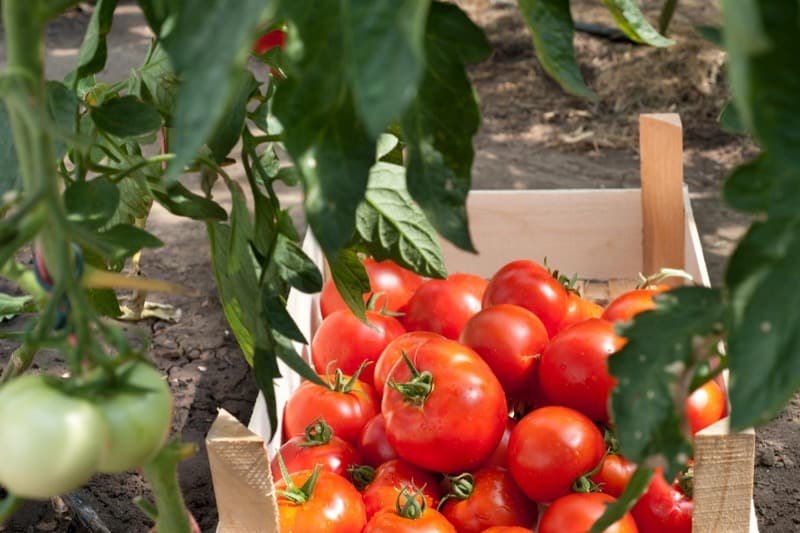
(578,310)
(344,342)
(663,508)
(507,529)
(576,513)
(531,286)
(496,500)
(705,405)
(394,475)
(388,521)
(373,444)
(270,40)
(461,421)
(445,305)
(335,456)
(50,442)
(573,370)
(629,304)
(346,412)
(394,282)
(550,448)
(408,343)
(499,456)
(510,339)
(335,506)
(614,475)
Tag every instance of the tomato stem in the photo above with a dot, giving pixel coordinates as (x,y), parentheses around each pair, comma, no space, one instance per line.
(361,475)
(162,474)
(341,383)
(317,433)
(585,483)
(459,487)
(417,389)
(410,505)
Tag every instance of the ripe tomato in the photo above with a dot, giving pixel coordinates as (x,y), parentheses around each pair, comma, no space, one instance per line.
(573,370)
(705,405)
(576,513)
(346,404)
(489,497)
(394,283)
(453,412)
(663,508)
(510,339)
(578,310)
(328,503)
(50,441)
(391,478)
(373,444)
(444,305)
(138,420)
(631,303)
(507,529)
(318,446)
(499,456)
(531,286)
(614,475)
(343,341)
(270,40)
(550,448)
(411,514)
(407,342)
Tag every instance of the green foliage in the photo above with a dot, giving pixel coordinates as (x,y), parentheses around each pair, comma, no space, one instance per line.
(636,487)
(126,117)
(631,21)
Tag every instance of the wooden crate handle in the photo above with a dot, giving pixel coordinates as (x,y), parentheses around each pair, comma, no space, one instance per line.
(661,152)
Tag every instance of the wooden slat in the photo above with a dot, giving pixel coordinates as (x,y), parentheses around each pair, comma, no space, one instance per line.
(661,151)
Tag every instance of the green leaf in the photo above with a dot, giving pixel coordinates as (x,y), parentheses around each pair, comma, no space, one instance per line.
(91,203)
(394,227)
(265,371)
(93,51)
(750,187)
(206,48)
(180,201)
(135,199)
(126,116)
(439,125)
(155,83)
(227,131)
(62,105)
(652,370)
(105,302)
(631,21)
(729,119)
(128,240)
(286,352)
(763,276)
(712,34)
(279,318)
(156,12)
(550,22)
(636,487)
(11,306)
(295,267)
(351,280)
(10,179)
(385,145)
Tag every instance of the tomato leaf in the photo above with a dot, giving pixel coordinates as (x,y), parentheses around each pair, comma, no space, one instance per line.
(227,131)
(279,319)
(295,267)
(10,179)
(393,227)
(653,371)
(93,51)
(126,116)
(127,240)
(750,186)
(729,119)
(11,306)
(104,301)
(439,125)
(265,371)
(631,21)
(550,22)
(62,104)
(180,201)
(91,203)
(636,487)
(712,34)
(156,83)
(135,199)
(351,280)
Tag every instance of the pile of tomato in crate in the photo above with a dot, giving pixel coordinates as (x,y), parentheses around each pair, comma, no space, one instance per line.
(469,405)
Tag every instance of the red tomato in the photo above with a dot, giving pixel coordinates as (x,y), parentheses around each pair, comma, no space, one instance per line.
(578,310)
(410,515)
(492,499)
(373,444)
(705,405)
(394,475)
(500,455)
(394,282)
(614,475)
(347,406)
(507,529)
(631,303)
(510,339)
(456,418)
(663,508)
(550,448)
(407,342)
(270,40)
(343,341)
(333,504)
(444,305)
(576,513)
(573,370)
(318,446)
(531,286)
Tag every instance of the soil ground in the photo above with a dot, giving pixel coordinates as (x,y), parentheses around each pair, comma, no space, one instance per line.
(533,136)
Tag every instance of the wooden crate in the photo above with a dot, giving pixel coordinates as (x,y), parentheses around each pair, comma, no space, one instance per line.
(608,237)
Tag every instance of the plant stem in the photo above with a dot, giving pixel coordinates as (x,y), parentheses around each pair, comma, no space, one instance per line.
(162,474)
(18,362)
(664,19)
(8,505)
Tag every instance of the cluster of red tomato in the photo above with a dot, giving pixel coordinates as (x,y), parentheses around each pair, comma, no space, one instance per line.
(413,432)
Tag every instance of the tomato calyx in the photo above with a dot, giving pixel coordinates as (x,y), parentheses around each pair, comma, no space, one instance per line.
(685,482)
(410,505)
(361,475)
(341,383)
(567,282)
(584,483)
(417,389)
(459,487)
(317,433)
(292,493)
(653,281)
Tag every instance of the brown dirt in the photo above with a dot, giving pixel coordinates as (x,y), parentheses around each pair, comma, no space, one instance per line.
(533,136)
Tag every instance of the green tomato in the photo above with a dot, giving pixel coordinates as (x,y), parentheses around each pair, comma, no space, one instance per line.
(50,441)
(138,420)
